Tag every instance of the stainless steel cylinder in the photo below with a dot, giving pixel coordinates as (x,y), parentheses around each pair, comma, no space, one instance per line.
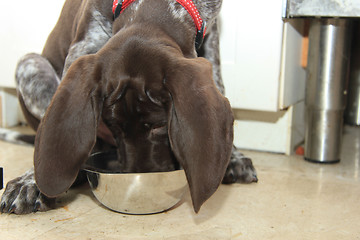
(352,112)
(327,70)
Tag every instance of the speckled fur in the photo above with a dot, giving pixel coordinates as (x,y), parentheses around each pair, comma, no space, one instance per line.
(98,33)
(22,196)
(36,82)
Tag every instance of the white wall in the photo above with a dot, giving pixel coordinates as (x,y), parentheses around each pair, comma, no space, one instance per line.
(250,45)
(24,28)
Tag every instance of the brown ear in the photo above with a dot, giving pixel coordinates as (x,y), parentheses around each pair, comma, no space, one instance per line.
(67,133)
(200,126)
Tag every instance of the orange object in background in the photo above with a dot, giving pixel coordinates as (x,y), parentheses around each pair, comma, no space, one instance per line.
(300,151)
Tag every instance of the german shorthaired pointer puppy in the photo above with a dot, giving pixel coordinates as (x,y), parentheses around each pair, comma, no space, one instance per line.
(128,73)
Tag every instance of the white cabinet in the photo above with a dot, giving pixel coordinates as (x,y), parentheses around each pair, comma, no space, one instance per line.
(260,55)
(262,72)
(250,43)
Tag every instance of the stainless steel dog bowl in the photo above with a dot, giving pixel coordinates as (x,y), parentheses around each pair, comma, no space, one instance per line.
(133,193)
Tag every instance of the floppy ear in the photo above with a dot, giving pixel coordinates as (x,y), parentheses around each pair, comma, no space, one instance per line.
(200,126)
(67,133)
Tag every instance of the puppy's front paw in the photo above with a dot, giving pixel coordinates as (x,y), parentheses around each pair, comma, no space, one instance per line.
(22,196)
(240,169)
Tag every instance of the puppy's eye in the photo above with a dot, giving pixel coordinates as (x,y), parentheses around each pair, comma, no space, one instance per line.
(158,125)
(159,128)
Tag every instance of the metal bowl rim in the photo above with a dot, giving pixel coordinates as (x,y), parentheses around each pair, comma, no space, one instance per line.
(128,174)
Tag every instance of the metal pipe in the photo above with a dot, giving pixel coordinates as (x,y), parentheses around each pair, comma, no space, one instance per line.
(329,48)
(352,112)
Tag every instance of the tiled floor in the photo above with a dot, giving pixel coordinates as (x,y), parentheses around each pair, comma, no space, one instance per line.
(293,199)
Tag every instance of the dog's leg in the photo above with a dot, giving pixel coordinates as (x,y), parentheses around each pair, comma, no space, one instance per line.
(36,84)
(22,196)
(240,168)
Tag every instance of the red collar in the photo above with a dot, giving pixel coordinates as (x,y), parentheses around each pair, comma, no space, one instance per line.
(120,5)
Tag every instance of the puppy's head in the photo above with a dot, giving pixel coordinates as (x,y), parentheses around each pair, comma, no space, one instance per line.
(161,108)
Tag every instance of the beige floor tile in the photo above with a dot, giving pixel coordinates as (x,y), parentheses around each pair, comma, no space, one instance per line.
(293,199)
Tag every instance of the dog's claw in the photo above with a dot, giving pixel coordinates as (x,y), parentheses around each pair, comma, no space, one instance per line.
(12,209)
(2,207)
(36,207)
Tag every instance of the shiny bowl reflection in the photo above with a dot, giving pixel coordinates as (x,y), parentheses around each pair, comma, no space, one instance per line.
(133,193)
